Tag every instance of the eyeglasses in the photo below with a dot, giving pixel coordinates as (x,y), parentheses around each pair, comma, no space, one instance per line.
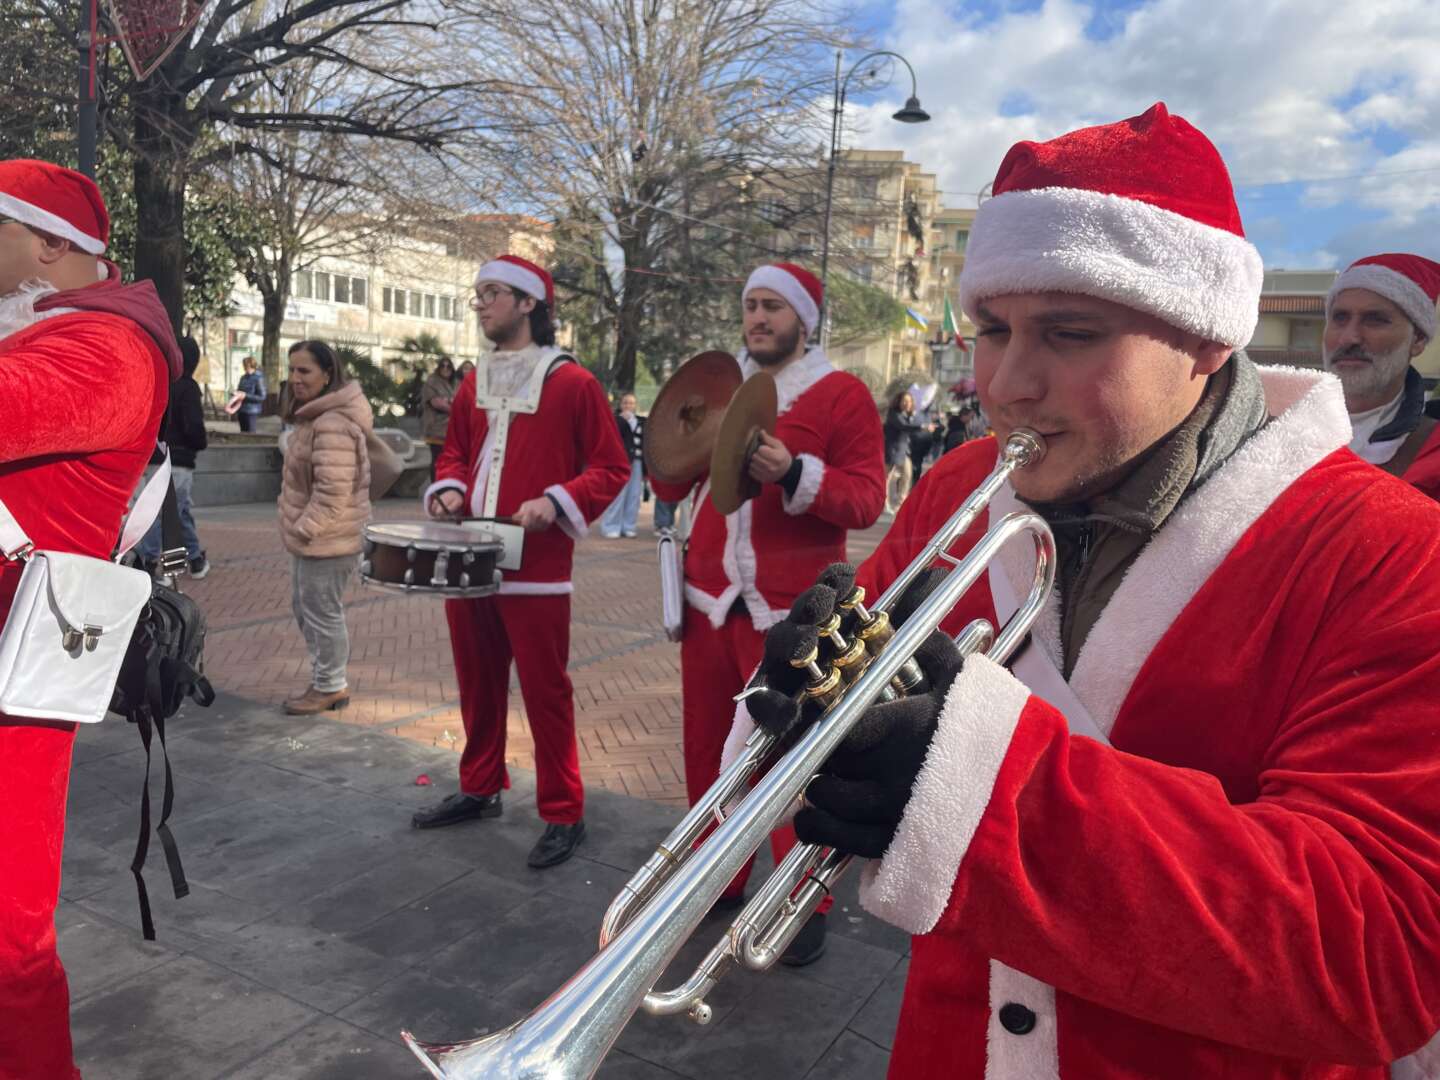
(487,296)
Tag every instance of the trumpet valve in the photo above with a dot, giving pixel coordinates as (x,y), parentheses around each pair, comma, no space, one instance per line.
(849,654)
(875,630)
(827,689)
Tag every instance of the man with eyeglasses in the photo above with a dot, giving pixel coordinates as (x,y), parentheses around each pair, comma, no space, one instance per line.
(531,439)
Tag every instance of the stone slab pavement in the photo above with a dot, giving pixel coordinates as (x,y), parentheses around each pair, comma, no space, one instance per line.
(402,677)
(319,924)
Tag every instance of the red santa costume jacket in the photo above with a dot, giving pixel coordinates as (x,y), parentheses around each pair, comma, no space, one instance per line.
(567,448)
(769,551)
(1424,471)
(81,395)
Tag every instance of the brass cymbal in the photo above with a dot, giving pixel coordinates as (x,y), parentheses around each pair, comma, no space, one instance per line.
(685,419)
(752,411)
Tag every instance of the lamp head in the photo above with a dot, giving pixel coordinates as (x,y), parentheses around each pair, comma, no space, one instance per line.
(912,113)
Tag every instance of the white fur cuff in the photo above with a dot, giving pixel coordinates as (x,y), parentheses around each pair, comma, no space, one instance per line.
(910,887)
(1191,275)
(812,475)
(573,523)
(435,489)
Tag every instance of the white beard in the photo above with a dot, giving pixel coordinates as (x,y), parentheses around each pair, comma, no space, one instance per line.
(17,310)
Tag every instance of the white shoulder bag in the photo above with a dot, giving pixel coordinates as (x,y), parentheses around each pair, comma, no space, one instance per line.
(72,618)
(672,574)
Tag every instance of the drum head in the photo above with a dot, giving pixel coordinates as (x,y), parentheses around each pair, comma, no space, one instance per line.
(681,428)
(432,536)
(752,411)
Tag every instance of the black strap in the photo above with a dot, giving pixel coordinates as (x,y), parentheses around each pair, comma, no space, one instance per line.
(170,536)
(142,720)
(1411,447)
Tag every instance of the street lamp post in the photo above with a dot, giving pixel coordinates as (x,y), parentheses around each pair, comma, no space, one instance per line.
(912,113)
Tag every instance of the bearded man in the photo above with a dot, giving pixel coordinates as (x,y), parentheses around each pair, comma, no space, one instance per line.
(1190,830)
(85,367)
(1379,316)
(823,472)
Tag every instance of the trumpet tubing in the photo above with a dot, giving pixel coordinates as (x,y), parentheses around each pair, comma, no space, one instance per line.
(567,1036)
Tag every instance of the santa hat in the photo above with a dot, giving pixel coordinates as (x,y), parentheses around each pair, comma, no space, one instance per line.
(795,285)
(520,274)
(59,201)
(1141,213)
(1410,282)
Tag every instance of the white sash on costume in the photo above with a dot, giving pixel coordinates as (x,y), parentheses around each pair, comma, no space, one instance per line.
(1033,667)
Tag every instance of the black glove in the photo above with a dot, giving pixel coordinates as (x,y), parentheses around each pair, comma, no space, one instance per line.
(856,802)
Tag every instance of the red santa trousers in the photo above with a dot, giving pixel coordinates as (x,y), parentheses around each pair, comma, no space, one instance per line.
(534,631)
(34,997)
(714,667)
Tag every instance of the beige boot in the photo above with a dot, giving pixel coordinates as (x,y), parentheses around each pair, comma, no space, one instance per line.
(317,701)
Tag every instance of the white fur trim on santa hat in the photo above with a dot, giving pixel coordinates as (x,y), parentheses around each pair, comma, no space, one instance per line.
(1194,276)
(514,275)
(790,290)
(1395,287)
(30,214)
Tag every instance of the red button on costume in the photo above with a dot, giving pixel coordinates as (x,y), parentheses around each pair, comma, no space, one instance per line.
(570,449)
(771,550)
(81,397)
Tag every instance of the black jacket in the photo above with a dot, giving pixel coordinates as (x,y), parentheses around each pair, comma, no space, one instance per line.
(899,427)
(186,430)
(631,440)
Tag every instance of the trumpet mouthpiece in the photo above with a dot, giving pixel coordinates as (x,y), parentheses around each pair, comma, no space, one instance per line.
(1025,447)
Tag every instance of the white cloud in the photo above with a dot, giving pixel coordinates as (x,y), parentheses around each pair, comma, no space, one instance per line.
(1289,89)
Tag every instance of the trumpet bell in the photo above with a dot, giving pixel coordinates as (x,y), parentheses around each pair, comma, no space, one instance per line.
(684,422)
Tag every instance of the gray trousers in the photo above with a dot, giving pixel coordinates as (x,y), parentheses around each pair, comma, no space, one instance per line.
(316,588)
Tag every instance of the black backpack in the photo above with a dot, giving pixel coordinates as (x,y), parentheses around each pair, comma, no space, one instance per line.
(163,666)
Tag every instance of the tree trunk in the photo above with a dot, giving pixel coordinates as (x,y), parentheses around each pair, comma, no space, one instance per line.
(163,145)
(627,339)
(273,305)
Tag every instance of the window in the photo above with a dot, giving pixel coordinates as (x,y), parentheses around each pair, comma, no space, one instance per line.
(304,284)
(865,236)
(394,300)
(445,309)
(359,287)
(415,304)
(430,305)
(864,272)
(962,237)
(322,286)
(866,187)
(342,289)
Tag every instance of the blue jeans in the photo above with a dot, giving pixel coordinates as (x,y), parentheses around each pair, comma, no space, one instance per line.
(184,480)
(664,514)
(620,515)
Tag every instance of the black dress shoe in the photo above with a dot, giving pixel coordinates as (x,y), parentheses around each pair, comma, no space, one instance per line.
(809,944)
(556,845)
(456,808)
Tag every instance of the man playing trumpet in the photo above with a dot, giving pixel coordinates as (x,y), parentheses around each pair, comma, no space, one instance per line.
(1192,831)
(822,473)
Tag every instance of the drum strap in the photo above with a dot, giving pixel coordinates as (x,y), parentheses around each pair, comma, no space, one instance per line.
(501,420)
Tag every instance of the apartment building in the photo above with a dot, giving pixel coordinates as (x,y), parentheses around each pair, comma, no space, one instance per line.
(406,285)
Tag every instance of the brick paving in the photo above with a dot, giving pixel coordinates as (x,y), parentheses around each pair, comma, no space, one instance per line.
(626,675)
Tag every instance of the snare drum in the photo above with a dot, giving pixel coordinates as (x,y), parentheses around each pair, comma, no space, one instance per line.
(431,558)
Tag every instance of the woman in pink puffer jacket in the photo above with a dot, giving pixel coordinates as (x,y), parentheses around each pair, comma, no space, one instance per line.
(324,505)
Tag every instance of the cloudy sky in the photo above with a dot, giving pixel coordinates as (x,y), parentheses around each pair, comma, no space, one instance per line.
(1327,111)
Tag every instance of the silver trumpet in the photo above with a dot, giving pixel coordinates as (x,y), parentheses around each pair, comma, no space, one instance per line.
(569,1034)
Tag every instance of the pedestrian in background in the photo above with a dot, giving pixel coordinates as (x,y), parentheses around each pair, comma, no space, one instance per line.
(466,367)
(186,436)
(252,385)
(900,427)
(324,505)
(622,514)
(435,400)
